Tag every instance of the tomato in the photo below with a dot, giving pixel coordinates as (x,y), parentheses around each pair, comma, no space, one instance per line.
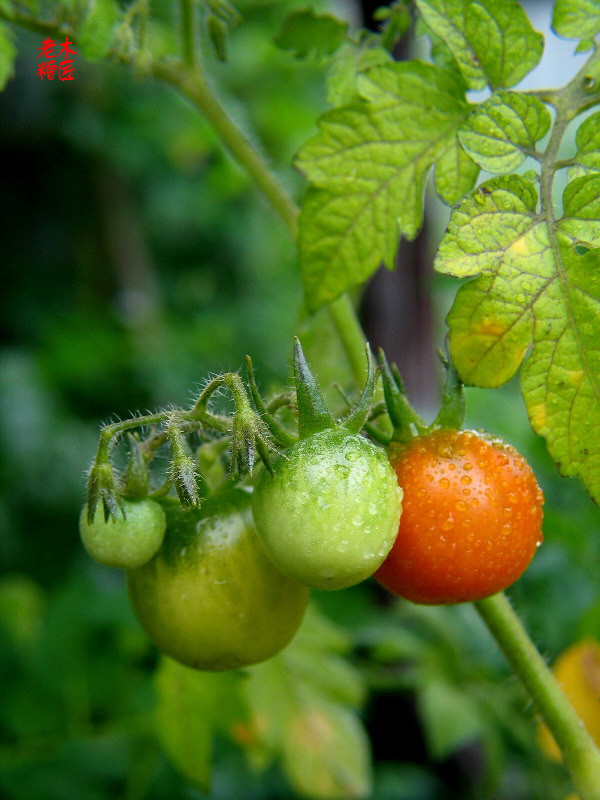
(329,515)
(125,542)
(211,598)
(472,518)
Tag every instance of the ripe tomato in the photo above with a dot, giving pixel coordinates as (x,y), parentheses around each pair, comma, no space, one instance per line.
(211,598)
(471,522)
(329,515)
(125,542)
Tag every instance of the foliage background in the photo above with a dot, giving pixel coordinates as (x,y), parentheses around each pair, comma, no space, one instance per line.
(137,258)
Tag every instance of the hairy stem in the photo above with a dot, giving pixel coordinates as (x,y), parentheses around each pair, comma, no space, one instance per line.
(580,754)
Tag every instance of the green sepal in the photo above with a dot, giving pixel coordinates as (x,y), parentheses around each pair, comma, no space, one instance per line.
(248,435)
(358,415)
(313,414)
(453,409)
(183,470)
(102,485)
(407,423)
(277,431)
(136,478)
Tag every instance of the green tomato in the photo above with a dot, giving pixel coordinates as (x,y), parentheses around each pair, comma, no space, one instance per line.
(125,542)
(330,514)
(211,598)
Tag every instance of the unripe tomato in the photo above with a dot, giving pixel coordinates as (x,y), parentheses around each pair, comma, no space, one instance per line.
(471,522)
(211,598)
(329,515)
(125,542)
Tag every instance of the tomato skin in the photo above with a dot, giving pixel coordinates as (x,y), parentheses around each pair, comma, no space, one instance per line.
(127,542)
(329,516)
(211,598)
(471,522)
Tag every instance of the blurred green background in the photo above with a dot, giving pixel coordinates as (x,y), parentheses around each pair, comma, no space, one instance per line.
(137,259)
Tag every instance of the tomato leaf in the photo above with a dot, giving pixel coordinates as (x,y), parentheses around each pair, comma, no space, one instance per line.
(492,40)
(455,174)
(534,291)
(300,705)
(587,157)
(501,132)
(349,62)
(191,706)
(581,204)
(302,32)
(368,166)
(576,19)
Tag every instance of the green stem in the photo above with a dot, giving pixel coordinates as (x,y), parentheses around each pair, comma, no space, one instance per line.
(351,335)
(581,757)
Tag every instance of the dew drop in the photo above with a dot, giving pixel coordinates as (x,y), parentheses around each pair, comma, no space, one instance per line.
(341,471)
(468,466)
(466,479)
(352,455)
(444,483)
(357,519)
(491,497)
(461,505)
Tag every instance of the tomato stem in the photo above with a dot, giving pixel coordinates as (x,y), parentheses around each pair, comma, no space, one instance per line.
(580,754)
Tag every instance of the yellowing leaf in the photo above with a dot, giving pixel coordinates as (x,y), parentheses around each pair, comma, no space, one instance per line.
(535,292)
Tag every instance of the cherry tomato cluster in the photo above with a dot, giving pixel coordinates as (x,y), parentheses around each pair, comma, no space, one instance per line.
(440,516)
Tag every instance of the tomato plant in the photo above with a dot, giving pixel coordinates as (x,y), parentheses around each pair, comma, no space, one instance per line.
(471,521)
(211,598)
(129,539)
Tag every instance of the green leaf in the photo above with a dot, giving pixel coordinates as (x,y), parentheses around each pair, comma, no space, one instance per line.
(588,147)
(8,54)
(450,718)
(534,292)
(302,32)
(440,53)
(455,174)
(369,165)
(576,19)
(581,204)
(492,40)
(501,132)
(96,34)
(300,705)
(191,706)
(349,62)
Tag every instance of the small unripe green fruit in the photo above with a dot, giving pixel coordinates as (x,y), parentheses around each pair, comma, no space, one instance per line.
(329,515)
(211,598)
(127,542)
